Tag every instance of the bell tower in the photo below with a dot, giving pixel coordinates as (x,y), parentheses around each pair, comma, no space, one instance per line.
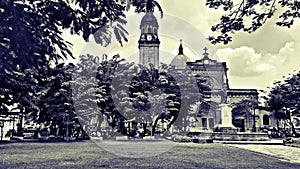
(149,42)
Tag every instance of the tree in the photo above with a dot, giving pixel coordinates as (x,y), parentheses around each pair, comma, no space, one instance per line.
(191,93)
(84,89)
(147,6)
(55,103)
(193,113)
(137,93)
(250,15)
(283,99)
(31,29)
(6,98)
(31,39)
(104,76)
(21,94)
(244,108)
(127,92)
(276,101)
(29,35)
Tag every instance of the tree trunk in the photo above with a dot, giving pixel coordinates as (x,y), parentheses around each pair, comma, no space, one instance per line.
(292,125)
(20,126)
(144,128)
(185,124)
(154,125)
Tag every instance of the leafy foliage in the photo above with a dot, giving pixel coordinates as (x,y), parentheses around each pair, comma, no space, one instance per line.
(98,18)
(146,6)
(250,15)
(84,89)
(29,35)
(101,17)
(31,46)
(55,101)
(244,108)
(128,92)
(283,99)
(285,94)
(31,29)
(120,99)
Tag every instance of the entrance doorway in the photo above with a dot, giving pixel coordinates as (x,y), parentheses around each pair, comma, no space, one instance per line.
(239,123)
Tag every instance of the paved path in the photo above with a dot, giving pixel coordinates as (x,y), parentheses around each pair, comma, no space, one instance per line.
(286,153)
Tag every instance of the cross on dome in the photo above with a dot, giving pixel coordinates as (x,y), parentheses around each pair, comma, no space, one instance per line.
(180,48)
(205,54)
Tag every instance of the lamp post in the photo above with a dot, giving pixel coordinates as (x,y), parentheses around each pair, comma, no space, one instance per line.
(254,125)
(253,106)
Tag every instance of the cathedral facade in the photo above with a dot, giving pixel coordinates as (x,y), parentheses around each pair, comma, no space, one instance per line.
(213,73)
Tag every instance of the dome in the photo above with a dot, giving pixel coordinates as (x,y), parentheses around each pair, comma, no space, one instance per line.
(149,19)
(179,61)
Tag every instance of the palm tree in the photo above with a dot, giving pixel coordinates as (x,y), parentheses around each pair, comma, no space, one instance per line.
(147,6)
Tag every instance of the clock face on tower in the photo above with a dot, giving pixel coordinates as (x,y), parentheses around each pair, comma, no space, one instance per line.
(149,37)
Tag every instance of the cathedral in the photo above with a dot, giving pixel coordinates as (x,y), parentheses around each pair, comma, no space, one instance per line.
(215,73)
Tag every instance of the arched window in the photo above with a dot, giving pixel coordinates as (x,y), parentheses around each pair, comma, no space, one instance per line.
(265,120)
(150,29)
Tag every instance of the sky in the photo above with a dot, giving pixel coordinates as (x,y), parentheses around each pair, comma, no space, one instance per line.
(254,60)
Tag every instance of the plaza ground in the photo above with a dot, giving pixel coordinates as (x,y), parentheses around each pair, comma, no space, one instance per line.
(285,153)
(184,155)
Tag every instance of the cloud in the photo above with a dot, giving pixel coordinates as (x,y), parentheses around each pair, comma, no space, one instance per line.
(250,68)
(193,11)
(244,61)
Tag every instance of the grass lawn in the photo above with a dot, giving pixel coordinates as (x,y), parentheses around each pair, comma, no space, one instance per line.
(89,155)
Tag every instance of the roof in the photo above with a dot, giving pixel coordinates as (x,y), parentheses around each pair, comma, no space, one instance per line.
(242,92)
(149,19)
(206,64)
(180,60)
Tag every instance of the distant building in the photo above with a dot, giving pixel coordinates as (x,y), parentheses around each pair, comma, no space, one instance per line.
(214,75)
